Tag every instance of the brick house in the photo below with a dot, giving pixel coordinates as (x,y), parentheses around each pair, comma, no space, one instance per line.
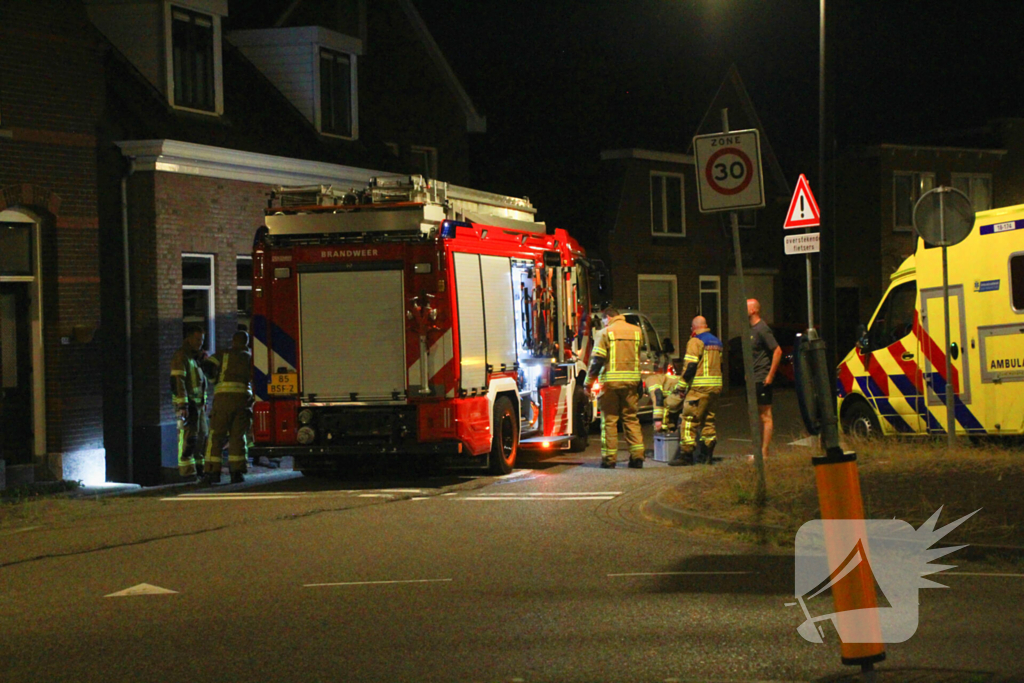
(672,261)
(876,189)
(193,115)
(51,101)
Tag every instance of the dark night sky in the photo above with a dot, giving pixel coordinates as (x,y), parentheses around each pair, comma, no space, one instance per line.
(560,81)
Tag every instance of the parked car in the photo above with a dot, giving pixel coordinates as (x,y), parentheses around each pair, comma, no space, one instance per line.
(652,348)
(785,335)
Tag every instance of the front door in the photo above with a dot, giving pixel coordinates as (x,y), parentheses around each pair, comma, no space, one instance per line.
(893,383)
(16,437)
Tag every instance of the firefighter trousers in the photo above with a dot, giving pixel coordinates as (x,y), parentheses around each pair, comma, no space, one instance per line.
(698,409)
(618,402)
(192,433)
(230,422)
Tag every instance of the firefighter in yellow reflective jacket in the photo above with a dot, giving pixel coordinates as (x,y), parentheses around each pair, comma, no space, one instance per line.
(232,409)
(659,385)
(617,362)
(696,395)
(188,387)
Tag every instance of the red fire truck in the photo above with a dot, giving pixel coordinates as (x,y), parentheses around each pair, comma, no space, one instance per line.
(419,319)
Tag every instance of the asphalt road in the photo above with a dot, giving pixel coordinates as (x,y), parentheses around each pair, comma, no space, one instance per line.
(552,574)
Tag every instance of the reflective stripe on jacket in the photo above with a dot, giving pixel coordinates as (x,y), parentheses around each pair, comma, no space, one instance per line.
(235,372)
(620,348)
(188,383)
(702,364)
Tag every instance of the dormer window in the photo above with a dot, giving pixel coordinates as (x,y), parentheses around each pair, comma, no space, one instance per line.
(336,93)
(192,54)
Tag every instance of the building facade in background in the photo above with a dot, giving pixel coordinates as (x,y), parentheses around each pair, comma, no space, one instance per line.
(140,140)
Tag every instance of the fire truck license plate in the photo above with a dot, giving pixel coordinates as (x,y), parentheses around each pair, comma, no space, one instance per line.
(287,383)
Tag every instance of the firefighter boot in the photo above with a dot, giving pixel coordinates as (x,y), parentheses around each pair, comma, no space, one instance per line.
(237,477)
(681,458)
(212,478)
(709,450)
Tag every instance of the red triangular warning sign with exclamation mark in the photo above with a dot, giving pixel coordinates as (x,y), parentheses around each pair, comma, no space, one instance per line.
(803,210)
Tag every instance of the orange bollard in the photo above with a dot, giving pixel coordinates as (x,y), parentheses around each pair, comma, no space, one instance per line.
(839,497)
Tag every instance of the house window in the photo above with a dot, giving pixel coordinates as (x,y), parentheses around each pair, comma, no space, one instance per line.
(192,40)
(658,300)
(243,270)
(16,249)
(667,217)
(977,187)
(197,294)
(907,188)
(711,302)
(335,93)
(423,160)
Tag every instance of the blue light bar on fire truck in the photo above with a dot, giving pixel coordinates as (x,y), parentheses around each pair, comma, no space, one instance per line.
(449,227)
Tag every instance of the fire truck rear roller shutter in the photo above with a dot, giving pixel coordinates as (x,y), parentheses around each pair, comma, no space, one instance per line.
(352,334)
(472,331)
(496,272)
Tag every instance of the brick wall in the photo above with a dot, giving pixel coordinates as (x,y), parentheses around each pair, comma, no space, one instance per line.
(50,101)
(173,214)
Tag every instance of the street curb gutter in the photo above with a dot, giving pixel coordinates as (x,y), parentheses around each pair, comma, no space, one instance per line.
(656,507)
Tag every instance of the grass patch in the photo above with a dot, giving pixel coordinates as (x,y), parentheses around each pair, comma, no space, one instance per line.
(908,480)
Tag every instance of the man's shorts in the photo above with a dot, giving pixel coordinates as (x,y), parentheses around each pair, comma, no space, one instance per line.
(764,394)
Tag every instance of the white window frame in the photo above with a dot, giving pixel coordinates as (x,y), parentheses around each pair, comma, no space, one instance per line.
(211,298)
(971,178)
(716,280)
(35,282)
(218,61)
(664,203)
(243,288)
(431,153)
(674,332)
(917,178)
(353,92)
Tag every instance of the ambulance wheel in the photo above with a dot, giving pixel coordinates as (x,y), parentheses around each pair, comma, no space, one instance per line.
(505,443)
(580,422)
(861,421)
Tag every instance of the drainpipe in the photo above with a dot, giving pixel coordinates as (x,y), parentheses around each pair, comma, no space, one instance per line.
(129,404)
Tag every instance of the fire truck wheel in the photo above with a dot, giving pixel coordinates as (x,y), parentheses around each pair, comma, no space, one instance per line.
(581,422)
(505,445)
(861,421)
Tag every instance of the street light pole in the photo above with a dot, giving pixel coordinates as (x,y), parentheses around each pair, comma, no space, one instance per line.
(826,259)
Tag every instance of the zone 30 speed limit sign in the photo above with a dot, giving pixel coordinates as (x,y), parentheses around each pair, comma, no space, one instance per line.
(729,171)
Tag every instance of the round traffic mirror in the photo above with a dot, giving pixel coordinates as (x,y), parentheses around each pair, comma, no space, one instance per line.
(943,217)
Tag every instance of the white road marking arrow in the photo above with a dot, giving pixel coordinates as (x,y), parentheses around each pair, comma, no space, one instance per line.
(141,589)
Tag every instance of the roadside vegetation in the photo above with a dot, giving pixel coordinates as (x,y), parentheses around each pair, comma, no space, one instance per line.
(908,480)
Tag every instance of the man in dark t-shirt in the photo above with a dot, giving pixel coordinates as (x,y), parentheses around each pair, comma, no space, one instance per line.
(767,354)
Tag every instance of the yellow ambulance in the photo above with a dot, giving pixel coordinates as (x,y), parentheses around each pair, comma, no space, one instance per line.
(894,381)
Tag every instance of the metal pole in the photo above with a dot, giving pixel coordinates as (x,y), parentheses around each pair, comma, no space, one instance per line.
(827,255)
(810,293)
(748,352)
(950,419)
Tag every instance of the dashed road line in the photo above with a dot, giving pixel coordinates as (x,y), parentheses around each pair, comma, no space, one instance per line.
(372,583)
(547,495)
(711,573)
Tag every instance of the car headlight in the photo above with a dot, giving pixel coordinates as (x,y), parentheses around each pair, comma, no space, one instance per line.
(305,416)
(306,435)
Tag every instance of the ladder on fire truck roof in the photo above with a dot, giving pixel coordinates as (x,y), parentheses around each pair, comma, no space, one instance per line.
(461,203)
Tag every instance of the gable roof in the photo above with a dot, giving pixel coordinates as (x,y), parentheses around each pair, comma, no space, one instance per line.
(475,123)
(732,95)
